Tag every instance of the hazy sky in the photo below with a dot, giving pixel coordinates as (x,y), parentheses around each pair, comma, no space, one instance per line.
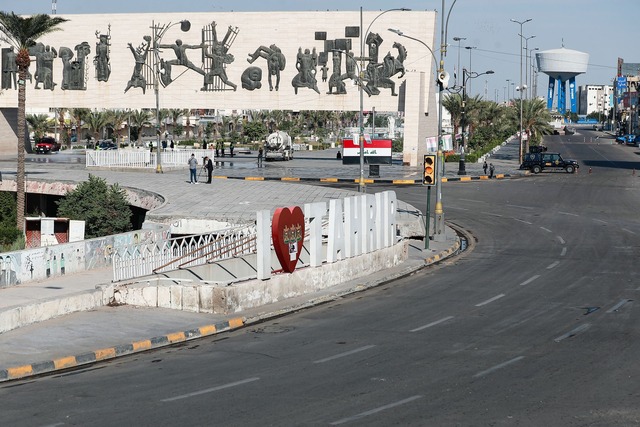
(604,30)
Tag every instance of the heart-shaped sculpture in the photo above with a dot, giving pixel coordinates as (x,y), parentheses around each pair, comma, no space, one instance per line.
(287,232)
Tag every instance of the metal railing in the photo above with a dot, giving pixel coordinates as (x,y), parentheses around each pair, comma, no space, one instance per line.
(142,158)
(179,252)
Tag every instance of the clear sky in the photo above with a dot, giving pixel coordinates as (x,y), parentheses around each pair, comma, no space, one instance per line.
(604,30)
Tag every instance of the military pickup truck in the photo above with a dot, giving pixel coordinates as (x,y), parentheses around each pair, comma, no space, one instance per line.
(537,162)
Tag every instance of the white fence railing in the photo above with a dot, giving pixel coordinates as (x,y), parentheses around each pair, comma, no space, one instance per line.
(140,159)
(144,259)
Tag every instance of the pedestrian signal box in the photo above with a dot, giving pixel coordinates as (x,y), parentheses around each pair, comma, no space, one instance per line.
(429,177)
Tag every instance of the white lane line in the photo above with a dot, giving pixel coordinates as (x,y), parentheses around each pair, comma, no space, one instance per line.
(618,305)
(628,231)
(573,332)
(529,280)
(564,251)
(568,213)
(376,410)
(490,300)
(437,322)
(492,214)
(210,390)
(553,264)
(599,220)
(561,240)
(522,220)
(500,366)
(347,353)
(546,229)
(521,207)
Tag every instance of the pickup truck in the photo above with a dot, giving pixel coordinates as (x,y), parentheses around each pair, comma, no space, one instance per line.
(537,162)
(47,145)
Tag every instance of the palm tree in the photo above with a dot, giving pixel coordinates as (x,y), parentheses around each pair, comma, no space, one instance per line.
(78,118)
(139,119)
(117,119)
(39,124)
(536,121)
(21,33)
(96,121)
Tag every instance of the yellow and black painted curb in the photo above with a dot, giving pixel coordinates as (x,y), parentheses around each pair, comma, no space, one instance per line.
(444,254)
(366,181)
(68,362)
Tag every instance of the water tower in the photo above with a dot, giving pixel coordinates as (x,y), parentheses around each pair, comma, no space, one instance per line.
(562,65)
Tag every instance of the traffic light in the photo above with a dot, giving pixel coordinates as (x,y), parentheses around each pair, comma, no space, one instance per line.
(429,177)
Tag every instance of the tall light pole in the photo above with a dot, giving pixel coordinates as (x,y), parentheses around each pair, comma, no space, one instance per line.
(439,233)
(363,39)
(159,32)
(458,39)
(470,48)
(526,65)
(520,134)
(532,82)
(466,75)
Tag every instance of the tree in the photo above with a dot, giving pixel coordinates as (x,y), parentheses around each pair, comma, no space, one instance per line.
(255,131)
(78,118)
(104,208)
(39,124)
(139,119)
(96,121)
(8,231)
(21,33)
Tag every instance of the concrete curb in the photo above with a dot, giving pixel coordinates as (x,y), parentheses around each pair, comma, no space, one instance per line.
(67,362)
(74,361)
(366,181)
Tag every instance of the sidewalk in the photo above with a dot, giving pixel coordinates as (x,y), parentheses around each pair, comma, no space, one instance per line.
(108,332)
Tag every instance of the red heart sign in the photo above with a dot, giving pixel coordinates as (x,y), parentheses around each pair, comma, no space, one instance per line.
(287,232)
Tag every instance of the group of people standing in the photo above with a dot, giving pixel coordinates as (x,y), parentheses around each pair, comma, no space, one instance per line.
(208,163)
(220,148)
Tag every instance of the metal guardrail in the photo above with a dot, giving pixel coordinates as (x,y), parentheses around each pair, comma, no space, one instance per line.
(143,159)
(179,252)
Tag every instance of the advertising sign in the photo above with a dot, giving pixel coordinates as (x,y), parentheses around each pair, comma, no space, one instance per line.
(376,151)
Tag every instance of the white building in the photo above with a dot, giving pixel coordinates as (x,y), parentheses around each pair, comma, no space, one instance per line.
(595,99)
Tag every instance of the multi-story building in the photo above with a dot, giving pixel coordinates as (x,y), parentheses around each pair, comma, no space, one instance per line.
(595,99)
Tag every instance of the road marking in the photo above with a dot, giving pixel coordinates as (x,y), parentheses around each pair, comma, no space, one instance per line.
(376,410)
(437,322)
(529,280)
(210,390)
(618,305)
(521,207)
(500,366)
(490,300)
(567,213)
(599,220)
(522,220)
(562,242)
(492,214)
(553,264)
(564,251)
(546,229)
(573,332)
(628,231)
(347,353)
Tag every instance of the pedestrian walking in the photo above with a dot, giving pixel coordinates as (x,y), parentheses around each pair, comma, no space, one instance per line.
(484,167)
(193,168)
(217,148)
(260,154)
(231,147)
(172,145)
(209,165)
(491,170)
(222,148)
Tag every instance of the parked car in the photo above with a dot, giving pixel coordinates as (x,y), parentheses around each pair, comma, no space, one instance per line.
(629,139)
(537,162)
(106,145)
(46,145)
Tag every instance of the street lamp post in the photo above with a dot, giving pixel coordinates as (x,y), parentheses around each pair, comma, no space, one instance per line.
(532,83)
(458,39)
(159,32)
(363,38)
(521,37)
(469,48)
(526,64)
(466,75)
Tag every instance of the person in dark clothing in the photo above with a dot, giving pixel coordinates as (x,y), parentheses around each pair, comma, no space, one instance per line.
(260,154)
(231,147)
(209,165)
(484,167)
(491,170)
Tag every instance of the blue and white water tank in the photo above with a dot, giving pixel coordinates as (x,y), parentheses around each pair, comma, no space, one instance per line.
(562,65)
